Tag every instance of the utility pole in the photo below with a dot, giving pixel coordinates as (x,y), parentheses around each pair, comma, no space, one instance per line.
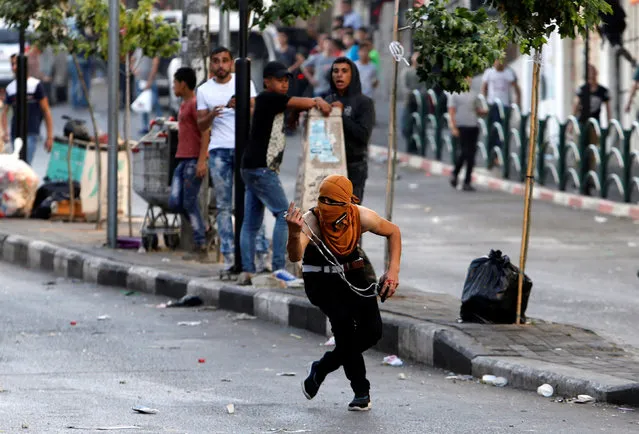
(242,123)
(21,103)
(113,67)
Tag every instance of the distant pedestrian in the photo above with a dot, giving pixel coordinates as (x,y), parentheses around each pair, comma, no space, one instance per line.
(335,280)
(37,109)
(216,112)
(464,110)
(320,64)
(599,97)
(261,165)
(191,169)
(358,119)
(146,71)
(497,84)
(367,71)
(351,18)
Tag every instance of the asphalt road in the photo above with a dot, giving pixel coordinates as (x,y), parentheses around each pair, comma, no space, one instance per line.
(54,375)
(583,266)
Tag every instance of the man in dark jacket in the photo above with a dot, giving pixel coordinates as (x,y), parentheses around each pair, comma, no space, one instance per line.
(358,117)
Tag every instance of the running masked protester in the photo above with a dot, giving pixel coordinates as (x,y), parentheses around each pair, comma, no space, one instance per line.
(358,118)
(325,239)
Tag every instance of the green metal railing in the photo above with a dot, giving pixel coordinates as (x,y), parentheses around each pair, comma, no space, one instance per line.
(585,159)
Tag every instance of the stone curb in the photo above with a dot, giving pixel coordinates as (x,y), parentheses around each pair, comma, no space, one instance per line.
(570,200)
(421,341)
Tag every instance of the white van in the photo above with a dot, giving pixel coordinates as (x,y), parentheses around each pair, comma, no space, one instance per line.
(260,49)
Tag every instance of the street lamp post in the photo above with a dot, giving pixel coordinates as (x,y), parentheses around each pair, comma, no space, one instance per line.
(242,123)
(113,67)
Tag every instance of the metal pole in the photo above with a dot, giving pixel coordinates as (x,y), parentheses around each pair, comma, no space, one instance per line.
(21,103)
(112,166)
(225,29)
(585,109)
(392,137)
(242,123)
(530,178)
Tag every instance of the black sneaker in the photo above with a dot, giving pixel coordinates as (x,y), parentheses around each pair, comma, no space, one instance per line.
(312,383)
(453,181)
(362,403)
(468,187)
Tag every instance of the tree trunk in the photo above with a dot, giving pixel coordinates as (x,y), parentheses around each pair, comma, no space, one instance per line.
(98,160)
(530,171)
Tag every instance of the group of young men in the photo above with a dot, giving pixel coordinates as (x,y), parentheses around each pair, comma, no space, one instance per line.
(325,238)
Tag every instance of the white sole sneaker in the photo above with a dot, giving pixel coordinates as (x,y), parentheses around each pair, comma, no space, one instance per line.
(367,408)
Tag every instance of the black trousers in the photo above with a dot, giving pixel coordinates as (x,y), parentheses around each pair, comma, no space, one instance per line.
(355,322)
(466,150)
(357,174)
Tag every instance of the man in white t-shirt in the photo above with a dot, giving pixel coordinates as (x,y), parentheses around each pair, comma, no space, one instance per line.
(497,84)
(216,110)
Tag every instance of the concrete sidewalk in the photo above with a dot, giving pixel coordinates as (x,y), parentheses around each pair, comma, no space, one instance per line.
(417,325)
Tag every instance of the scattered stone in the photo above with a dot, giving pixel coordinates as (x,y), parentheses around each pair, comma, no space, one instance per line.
(286,374)
(600,219)
(401,376)
(230,409)
(584,399)
(293,335)
(104,317)
(545,390)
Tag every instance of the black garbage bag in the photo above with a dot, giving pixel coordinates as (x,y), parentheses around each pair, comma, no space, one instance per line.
(490,291)
(49,193)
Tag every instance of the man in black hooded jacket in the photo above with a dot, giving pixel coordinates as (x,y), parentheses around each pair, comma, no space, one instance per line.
(358,117)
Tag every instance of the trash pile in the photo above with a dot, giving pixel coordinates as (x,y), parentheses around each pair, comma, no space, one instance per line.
(18,184)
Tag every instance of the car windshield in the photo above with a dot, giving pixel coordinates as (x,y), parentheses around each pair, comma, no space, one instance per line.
(8,36)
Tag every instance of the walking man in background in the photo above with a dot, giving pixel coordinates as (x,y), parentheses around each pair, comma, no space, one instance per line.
(463,110)
(192,155)
(37,109)
(216,111)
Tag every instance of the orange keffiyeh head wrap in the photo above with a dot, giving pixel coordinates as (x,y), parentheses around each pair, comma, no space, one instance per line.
(338,215)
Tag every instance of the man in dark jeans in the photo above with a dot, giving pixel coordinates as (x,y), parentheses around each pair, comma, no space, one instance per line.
(335,280)
(192,167)
(358,118)
(463,111)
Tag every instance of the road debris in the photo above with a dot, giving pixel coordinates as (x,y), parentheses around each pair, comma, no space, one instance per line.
(274,430)
(401,376)
(146,410)
(201,360)
(104,428)
(545,390)
(600,219)
(413,186)
(73,323)
(329,343)
(392,361)
(226,380)
(460,377)
(494,381)
(230,409)
(243,317)
(584,399)
(104,317)
(186,301)
(625,409)
(293,335)
(189,323)
(122,381)
(286,374)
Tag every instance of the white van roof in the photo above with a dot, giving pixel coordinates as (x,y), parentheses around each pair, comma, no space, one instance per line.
(214,18)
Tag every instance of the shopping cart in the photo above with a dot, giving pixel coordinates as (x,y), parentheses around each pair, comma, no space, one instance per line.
(153,166)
